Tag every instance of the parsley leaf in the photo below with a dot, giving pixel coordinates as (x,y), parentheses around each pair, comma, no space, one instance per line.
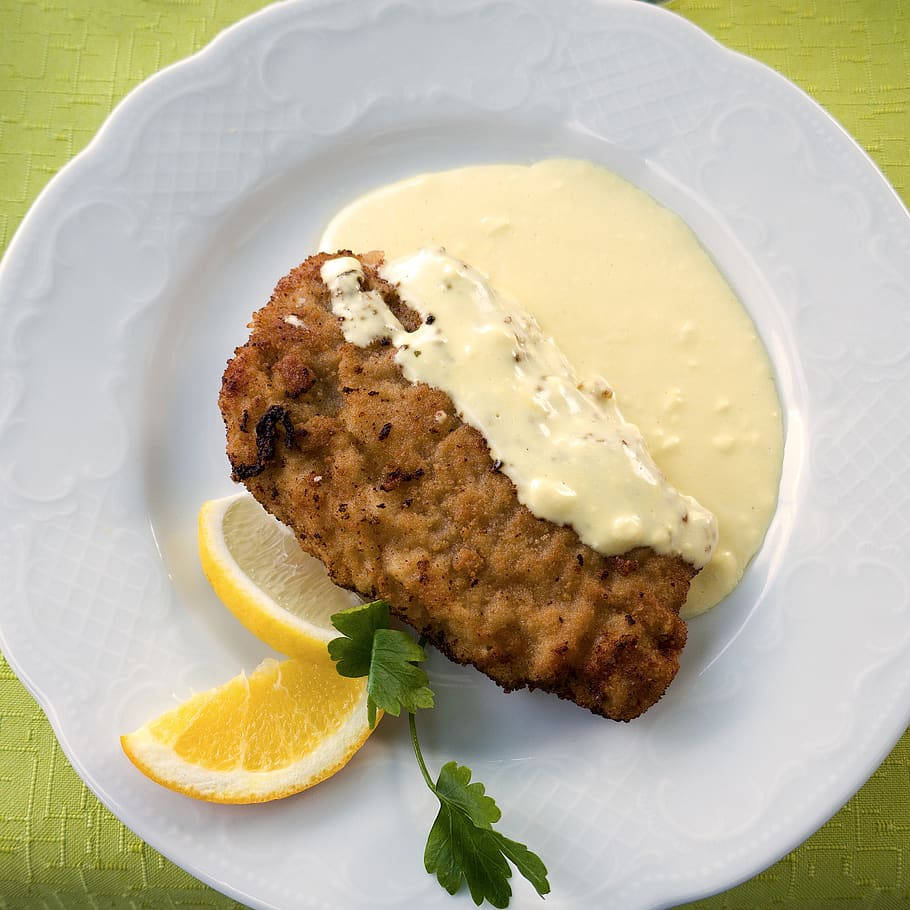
(394,681)
(529,864)
(455,787)
(463,845)
(353,654)
(457,849)
(387,657)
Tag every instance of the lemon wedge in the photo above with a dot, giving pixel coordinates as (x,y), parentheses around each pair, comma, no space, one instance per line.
(254,563)
(278,731)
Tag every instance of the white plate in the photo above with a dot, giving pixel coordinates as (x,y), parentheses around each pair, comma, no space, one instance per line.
(131,281)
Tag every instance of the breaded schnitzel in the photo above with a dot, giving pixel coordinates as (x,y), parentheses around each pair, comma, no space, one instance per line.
(400,499)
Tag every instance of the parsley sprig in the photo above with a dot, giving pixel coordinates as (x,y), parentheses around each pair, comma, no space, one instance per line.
(462,846)
(387,657)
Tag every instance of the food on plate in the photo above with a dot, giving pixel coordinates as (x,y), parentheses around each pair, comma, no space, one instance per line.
(423,443)
(280,730)
(386,482)
(260,573)
(626,290)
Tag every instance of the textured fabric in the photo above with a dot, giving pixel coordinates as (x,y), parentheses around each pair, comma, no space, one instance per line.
(63,65)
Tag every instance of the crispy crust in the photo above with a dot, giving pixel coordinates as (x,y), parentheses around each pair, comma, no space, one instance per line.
(382,482)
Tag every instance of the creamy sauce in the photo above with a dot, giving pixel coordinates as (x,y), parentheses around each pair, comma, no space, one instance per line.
(573,459)
(626,290)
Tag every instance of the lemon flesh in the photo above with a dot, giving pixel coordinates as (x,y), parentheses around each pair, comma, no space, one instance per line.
(278,731)
(258,570)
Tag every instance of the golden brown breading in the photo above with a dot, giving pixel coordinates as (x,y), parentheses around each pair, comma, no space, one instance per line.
(382,482)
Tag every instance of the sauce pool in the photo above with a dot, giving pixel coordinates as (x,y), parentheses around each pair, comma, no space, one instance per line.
(627,292)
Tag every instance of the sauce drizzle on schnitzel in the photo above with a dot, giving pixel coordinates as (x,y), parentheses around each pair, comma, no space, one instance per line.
(626,289)
(573,459)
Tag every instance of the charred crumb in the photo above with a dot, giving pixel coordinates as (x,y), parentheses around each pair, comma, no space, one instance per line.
(423,567)
(266,432)
(497,466)
(430,319)
(396,477)
(384,432)
(579,558)
(244,421)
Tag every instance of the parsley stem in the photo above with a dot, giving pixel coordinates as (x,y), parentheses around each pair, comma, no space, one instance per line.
(412,723)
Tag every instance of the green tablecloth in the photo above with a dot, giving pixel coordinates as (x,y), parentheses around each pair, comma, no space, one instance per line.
(63,65)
